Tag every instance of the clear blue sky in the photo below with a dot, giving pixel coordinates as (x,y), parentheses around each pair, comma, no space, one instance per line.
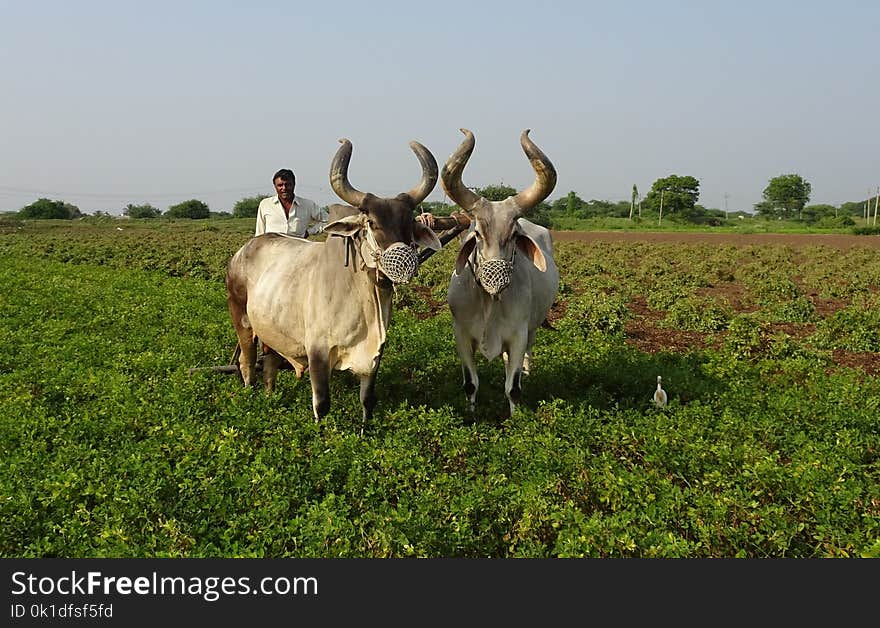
(109,103)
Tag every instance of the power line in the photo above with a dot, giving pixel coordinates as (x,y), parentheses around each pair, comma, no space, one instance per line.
(107,196)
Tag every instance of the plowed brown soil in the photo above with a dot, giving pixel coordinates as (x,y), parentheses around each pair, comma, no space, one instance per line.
(642,330)
(737,239)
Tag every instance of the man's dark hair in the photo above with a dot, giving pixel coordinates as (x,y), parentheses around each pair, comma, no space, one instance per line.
(286,174)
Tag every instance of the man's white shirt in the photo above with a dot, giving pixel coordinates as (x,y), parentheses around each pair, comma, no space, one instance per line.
(306,218)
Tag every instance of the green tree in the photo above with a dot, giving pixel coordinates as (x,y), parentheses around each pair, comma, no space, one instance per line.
(73,211)
(857,208)
(620,209)
(853,208)
(570,205)
(192,208)
(815,213)
(247,207)
(46,208)
(438,208)
(765,210)
(573,204)
(678,194)
(141,211)
(540,215)
(597,208)
(785,196)
(495,192)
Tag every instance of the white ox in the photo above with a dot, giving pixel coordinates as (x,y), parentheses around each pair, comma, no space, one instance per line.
(327,305)
(505,279)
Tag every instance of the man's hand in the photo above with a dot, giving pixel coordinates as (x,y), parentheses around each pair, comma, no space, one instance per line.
(457,220)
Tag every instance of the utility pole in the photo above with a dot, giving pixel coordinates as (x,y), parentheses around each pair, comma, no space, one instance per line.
(726,215)
(632,202)
(661,207)
(876,204)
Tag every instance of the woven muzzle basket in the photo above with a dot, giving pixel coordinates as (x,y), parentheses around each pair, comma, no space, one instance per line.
(399,262)
(494,275)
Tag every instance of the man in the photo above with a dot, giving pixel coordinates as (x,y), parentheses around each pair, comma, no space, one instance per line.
(288,213)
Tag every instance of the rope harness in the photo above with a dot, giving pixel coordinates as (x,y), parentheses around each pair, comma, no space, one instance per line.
(398,262)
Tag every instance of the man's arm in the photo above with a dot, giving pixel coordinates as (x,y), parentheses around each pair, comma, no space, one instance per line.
(453,221)
(261,221)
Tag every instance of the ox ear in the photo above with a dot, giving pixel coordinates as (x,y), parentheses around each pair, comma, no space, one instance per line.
(467,247)
(346,226)
(531,250)
(425,236)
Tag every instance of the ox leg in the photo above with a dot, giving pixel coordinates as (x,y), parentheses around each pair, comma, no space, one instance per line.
(466,348)
(247,360)
(527,358)
(271,362)
(368,394)
(319,374)
(513,371)
(526,363)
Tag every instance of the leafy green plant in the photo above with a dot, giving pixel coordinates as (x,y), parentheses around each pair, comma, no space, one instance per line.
(112,448)
(747,337)
(595,312)
(797,310)
(856,328)
(697,314)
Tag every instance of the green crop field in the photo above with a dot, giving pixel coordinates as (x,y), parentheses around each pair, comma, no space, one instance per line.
(769,445)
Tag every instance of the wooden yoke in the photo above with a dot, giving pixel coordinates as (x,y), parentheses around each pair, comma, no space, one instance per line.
(457,219)
(447,227)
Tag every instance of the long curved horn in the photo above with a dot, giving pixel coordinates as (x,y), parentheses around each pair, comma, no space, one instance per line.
(450,177)
(429,173)
(545,175)
(339,176)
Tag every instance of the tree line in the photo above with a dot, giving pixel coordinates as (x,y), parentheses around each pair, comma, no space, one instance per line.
(45,208)
(674,197)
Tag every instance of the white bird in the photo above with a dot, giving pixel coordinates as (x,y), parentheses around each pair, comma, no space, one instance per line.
(659,395)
